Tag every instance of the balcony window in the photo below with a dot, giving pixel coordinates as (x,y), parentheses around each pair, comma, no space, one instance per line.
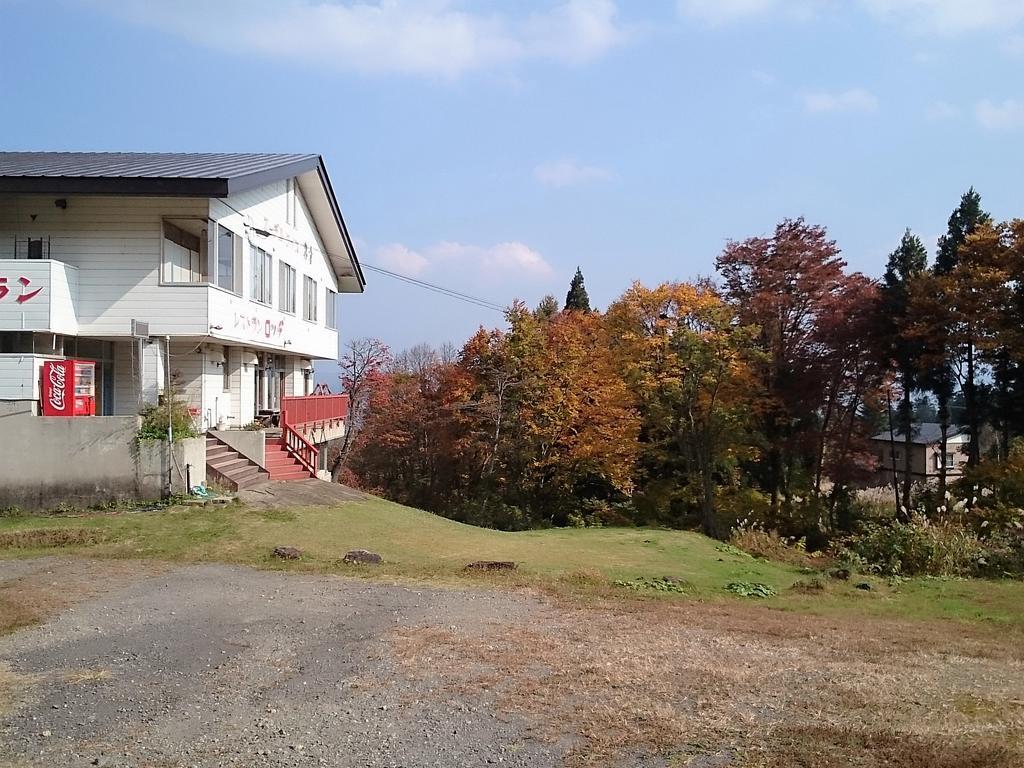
(262,283)
(229,260)
(28,343)
(185,251)
(286,285)
(309,296)
(329,308)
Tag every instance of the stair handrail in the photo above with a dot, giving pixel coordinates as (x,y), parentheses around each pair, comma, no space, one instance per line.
(299,447)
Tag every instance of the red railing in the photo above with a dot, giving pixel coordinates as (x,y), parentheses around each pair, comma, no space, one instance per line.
(300,448)
(313,410)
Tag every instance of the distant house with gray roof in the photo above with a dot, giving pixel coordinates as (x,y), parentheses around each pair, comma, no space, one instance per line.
(925,460)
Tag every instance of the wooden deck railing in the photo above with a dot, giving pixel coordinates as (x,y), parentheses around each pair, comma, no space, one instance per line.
(313,410)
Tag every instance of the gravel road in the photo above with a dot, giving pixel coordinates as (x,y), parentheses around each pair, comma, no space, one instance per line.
(212,665)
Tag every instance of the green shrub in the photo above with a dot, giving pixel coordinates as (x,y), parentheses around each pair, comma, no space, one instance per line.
(154,421)
(919,547)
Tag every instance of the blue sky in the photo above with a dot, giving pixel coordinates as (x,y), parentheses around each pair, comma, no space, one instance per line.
(493,146)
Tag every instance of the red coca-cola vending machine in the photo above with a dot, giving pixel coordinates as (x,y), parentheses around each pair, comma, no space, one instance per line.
(69,388)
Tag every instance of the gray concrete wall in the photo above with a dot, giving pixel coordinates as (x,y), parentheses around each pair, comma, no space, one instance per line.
(16,407)
(188,464)
(48,461)
(250,443)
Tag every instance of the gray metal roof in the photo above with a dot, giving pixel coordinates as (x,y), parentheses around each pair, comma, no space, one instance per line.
(923,433)
(169,173)
(177,174)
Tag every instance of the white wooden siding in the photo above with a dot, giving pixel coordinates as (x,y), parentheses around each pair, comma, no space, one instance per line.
(54,308)
(19,376)
(115,243)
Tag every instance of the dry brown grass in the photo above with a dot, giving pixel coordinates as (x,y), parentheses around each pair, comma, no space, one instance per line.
(44,538)
(770,689)
(771,546)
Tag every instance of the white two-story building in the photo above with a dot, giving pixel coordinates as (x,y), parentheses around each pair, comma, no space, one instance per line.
(216,275)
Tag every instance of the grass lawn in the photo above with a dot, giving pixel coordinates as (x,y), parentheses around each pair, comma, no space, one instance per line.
(419,545)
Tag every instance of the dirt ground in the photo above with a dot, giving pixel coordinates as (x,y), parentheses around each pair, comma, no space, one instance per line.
(209,665)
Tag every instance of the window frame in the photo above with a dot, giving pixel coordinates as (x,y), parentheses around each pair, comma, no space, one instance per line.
(331,309)
(286,275)
(310,291)
(202,241)
(265,295)
(237,266)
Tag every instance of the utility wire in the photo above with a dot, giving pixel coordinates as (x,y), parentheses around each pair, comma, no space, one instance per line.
(449,292)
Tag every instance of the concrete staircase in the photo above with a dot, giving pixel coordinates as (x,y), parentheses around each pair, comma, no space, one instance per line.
(280,464)
(227,466)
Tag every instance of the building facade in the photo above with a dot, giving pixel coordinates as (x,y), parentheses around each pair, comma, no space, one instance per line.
(925,460)
(214,276)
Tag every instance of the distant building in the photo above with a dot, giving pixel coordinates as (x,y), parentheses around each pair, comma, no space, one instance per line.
(925,460)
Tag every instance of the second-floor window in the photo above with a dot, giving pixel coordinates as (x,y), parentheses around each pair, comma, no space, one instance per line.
(185,251)
(262,271)
(330,319)
(229,260)
(286,285)
(309,296)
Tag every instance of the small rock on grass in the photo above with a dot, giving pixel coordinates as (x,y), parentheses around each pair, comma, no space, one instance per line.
(362,556)
(491,565)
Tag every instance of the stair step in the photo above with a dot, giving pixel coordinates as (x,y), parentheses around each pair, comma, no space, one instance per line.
(292,476)
(226,465)
(276,461)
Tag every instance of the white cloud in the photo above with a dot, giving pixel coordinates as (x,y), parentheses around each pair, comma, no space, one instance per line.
(764,78)
(1004,116)
(398,258)
(949,16)
(852,100)
(513,258)
(941,111)
(724,11)
(427,37)
(568,173)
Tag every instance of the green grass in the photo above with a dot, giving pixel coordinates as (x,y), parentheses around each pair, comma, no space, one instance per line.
(419,545)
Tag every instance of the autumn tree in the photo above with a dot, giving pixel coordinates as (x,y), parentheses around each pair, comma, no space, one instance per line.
(785,285)
(362,367)
(546,308)
(689,364)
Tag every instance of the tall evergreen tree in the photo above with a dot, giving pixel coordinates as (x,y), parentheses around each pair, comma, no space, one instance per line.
(967,217)
(577,298)
(906,264)
(963,222)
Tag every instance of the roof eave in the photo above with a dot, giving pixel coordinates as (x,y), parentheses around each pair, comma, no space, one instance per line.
(340,220)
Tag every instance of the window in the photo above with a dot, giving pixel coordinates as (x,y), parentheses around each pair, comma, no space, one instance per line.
(309,299)
(226,369)
(286,284)
(185,251)
(28,343)
(262,263)
(330,319)
(289,202)
(229,260)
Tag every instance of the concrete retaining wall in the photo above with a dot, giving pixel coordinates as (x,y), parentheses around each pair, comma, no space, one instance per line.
(250,443)
(48,461)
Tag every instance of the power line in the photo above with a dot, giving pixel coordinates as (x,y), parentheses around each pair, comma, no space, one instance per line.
(449,292)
